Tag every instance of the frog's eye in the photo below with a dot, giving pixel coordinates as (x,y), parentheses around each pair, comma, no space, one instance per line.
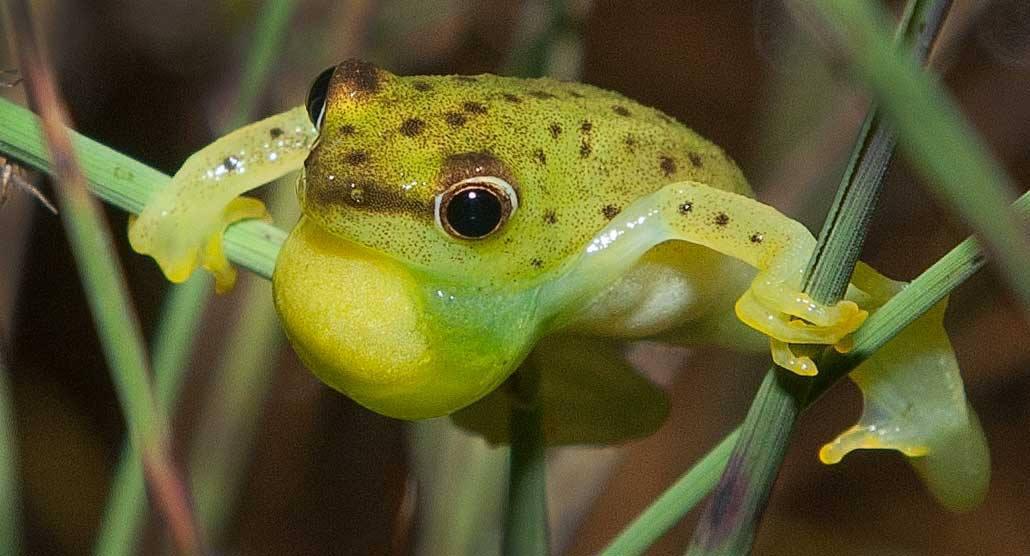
(476,207)
(317,95)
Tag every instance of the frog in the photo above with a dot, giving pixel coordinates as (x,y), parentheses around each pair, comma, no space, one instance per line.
(462,231)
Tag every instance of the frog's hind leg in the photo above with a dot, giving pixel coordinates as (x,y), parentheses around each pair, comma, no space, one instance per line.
(181,225)
(914,402)
(588,392)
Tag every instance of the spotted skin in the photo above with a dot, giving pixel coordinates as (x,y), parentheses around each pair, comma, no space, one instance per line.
(580,175)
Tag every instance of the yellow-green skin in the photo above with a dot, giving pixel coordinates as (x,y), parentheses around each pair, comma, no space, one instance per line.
(628,225)
(576,155)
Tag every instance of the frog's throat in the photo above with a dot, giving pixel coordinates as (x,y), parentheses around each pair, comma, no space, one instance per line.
(389,337)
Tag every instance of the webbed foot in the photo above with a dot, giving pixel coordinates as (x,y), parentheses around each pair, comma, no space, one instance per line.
(789,316)
(179,247)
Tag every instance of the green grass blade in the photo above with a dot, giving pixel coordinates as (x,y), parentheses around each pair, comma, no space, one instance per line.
(127,184)
(937,282)
(526,524)
(731,518)
(229,419)
(935,135)
(106,291)
(180,319)
(669,508)
(10,513)
(127,501)
(270,31)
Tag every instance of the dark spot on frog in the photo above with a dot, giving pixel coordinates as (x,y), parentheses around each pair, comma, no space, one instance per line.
(276,132)
(455,119)
(686,207)
(346,129)
(631,143)
(514,99)
(695,159)
(473,108)
(365,195)
(555,129)
(585,149)
(422,86)
(667,164)
(462,166)
(231,163)
(586,126)
(356,158)
(757,237)
(610,211)
(539,156)
(620,110)
(537,263)
(465,78)
(721,219)
(358,77)
(550,217)
(542,95)
(412,127)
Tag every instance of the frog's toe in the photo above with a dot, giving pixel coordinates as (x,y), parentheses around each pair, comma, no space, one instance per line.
(770,319)
(780,297)
(180,243)
(914,403)
(213,258)
(872,436)
(784,357)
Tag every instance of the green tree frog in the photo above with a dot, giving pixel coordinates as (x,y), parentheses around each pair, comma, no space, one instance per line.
(456,228)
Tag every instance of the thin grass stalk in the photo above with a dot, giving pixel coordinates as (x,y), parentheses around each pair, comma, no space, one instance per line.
(958,166)
(933,285)
(180,320)
(124,514)
(127,184)
(10,493)
(526,524)
(230,418)
(733,514)
(106,291)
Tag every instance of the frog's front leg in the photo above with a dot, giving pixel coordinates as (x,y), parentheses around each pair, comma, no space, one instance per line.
(181,225)
(739,227)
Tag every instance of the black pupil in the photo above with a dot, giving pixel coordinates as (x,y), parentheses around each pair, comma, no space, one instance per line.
(474,212)
(317,94)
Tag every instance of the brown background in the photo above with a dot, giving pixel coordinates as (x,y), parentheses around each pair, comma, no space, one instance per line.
(154,79)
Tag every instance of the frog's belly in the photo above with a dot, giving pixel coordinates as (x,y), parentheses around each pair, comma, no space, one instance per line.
(672,285)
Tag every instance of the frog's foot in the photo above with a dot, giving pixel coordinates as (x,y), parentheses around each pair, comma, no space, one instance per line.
(789,316)
(213,258)
(914,403)
(180,246)
(785,357)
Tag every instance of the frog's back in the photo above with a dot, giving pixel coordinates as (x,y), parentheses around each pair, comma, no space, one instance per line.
(588,152)
(577,155)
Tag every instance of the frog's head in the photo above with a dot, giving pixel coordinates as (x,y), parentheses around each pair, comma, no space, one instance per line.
(410,283)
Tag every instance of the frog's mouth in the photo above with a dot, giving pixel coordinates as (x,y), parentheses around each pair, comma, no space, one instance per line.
(380,332)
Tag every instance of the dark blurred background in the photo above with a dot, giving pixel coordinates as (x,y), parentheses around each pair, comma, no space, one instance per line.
(157,79)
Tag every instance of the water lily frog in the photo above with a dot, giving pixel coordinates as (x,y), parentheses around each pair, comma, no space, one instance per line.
(456,228)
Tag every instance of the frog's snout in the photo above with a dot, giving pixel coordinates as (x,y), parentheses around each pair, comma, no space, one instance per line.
(359,320)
